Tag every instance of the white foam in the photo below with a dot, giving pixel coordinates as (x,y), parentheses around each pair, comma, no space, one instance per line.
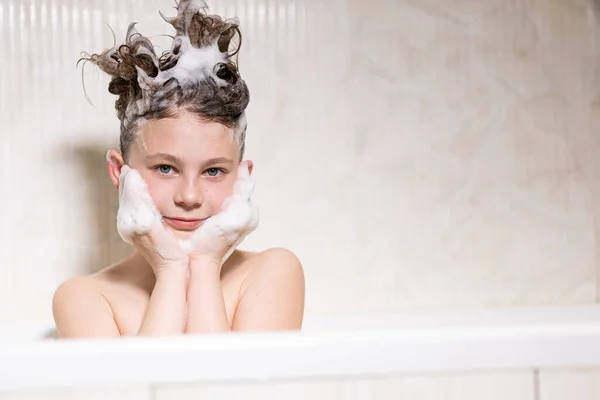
(238,219)
(193,65)
(138,214)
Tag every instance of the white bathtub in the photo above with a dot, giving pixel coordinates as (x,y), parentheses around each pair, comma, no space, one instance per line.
(349,346)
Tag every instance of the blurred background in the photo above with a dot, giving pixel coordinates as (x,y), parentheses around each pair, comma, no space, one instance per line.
(417,155)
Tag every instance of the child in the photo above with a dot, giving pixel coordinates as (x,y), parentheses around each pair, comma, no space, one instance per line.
(184,194)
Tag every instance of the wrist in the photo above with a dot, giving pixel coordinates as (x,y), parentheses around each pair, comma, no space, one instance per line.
(205,263)
(173,271)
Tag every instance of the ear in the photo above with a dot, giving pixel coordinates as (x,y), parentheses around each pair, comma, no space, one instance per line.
(250,166)
(114,161)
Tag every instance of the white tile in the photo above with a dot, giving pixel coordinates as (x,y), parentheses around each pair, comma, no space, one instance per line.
(117,393)
(498,386)
(579,384)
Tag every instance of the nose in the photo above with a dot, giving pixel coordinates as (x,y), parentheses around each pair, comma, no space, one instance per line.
(189,194)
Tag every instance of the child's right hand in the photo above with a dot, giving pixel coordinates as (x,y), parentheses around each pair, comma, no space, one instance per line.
(161,250)
(140,224)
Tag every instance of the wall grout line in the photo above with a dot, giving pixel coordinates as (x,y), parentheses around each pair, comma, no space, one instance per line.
(152,390)
(536,384)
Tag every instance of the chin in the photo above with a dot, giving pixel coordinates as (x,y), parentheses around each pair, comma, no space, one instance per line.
(182,235)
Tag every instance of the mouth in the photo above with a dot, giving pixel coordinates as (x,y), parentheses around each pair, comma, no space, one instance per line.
(184,224)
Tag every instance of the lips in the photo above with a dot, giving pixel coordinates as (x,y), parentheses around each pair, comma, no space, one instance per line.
(184,224)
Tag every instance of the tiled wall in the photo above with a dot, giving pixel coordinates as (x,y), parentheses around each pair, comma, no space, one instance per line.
(517,385)
(416,154)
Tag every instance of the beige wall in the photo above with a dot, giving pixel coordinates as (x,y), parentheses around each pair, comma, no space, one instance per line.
(416,154)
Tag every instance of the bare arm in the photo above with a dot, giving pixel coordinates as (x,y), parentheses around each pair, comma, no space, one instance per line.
(273,298)
(206,307)
(165,314)
(81,311)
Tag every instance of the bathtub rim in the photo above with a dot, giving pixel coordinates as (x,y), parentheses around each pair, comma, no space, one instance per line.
(522,339)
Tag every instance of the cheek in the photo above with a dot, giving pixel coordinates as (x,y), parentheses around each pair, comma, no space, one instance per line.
(216,193)
(159,192)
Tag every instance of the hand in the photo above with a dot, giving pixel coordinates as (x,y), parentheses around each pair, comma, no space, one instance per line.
(140,224)
(223,232)
(161,250)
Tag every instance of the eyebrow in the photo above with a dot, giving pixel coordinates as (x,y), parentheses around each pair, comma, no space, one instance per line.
(177,160)
(165,156)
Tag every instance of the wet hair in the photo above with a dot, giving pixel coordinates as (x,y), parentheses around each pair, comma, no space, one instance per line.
(198,74)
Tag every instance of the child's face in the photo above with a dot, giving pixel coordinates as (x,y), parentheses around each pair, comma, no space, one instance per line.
(190,168)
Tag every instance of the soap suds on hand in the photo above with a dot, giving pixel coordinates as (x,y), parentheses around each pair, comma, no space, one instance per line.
(137,213)
(238,219)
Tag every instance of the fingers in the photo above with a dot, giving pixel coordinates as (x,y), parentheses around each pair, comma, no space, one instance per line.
(244,185)
(123,179)
(137,213)
(125,170)
(165,243)
(223,232)
(243,170)
(159,241)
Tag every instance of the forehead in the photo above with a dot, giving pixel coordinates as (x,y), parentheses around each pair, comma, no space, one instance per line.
(184,136)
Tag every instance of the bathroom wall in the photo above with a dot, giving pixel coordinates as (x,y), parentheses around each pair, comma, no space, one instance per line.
(415,154)
(492,385)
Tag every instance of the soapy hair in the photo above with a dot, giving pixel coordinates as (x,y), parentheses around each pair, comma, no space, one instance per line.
(198,74)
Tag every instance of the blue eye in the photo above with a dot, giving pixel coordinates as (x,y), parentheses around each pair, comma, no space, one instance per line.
(164,169)
(213,171)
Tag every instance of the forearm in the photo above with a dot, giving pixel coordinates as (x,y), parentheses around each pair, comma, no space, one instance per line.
(206,311)
(165,314)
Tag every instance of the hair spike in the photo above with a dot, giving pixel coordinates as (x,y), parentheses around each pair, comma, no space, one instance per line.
(197,74)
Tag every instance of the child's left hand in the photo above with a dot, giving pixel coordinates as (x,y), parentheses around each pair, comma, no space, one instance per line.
(223,232)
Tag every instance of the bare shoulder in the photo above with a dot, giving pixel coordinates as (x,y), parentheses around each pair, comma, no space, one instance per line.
(80,309)
(274,264)
(272,292)
(101,304)
(75,289)
(87,285)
